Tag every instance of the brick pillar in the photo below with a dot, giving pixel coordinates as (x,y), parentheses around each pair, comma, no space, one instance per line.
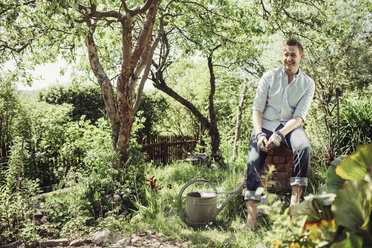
(282,158)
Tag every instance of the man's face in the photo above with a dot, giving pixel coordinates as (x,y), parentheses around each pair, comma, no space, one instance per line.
(291,59)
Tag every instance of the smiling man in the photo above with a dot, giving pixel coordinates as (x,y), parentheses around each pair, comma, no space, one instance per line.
(282,100)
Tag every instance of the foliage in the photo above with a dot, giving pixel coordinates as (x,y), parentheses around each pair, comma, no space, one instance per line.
(346,205)
(159,210)
(86,100)
(96,194)
(153,108)
(11,121)
(44,136)
(17,211)
(355,125)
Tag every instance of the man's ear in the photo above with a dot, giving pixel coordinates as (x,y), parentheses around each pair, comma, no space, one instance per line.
(302,56)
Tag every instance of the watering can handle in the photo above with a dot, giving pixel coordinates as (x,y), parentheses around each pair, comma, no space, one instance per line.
(180,209)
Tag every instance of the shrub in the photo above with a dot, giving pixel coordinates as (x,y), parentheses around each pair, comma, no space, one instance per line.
(86,100)
(355,125)
(17,207)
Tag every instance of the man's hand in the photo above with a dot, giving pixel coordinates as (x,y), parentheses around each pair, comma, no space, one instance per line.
(262,141)
(275,140)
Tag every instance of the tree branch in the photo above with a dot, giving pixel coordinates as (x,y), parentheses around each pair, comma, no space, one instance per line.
(104,82)
(147,69)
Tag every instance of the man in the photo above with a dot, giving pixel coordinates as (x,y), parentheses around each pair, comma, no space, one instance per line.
(282,100)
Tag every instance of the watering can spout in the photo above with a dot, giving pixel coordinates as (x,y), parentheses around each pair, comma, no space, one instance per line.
(235,191)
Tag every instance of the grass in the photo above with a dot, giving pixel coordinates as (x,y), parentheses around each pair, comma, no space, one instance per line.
(160,210)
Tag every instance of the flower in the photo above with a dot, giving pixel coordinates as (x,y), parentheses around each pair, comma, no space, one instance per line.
(277,244)
(169,186)
(152,184)
(108,196)
(295,245)
(117,197)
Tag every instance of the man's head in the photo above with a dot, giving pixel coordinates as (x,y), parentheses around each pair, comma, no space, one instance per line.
(292,56)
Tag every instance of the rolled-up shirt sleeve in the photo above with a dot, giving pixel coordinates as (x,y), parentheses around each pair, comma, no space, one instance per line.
(260,99)
(303,105)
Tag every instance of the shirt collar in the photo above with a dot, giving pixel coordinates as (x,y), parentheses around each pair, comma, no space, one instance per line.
(295,76)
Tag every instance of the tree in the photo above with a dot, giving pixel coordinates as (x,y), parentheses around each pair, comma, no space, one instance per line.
(60,24)
(9,108)
(239,113)
(213,33)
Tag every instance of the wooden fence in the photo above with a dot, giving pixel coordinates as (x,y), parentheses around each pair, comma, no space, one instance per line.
(165,149)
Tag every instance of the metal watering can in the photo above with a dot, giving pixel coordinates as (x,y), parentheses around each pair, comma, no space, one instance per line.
(201,206)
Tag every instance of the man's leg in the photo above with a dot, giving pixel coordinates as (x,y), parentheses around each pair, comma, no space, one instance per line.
(256,160)
(300,145)
(252,214)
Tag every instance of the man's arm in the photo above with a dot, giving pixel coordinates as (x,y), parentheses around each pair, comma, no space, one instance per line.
(257,121)
(292,124)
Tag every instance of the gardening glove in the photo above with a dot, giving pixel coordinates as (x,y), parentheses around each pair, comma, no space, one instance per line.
(275,140)
(262,141)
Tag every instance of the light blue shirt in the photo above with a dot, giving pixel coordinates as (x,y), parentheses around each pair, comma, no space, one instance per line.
(279,101)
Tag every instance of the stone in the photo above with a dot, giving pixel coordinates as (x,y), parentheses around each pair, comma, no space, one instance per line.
(54,243)
(80,241)
(105,237)
(136,239)
(122,243)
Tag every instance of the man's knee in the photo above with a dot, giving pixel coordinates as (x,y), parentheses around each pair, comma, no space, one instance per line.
(303,148)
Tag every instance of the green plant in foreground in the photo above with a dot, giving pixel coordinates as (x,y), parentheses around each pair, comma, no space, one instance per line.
(338,217)
(16,212)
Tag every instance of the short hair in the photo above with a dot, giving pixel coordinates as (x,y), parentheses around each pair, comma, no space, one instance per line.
(293,42)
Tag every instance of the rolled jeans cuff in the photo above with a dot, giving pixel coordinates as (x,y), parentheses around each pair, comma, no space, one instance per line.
(298,181)
(251,195)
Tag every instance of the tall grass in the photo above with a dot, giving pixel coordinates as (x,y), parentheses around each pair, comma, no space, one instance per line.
(160,210)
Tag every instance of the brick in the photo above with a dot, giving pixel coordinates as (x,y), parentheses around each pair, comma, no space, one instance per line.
(281,168)
(269,159)
(289,168)
(289,159)
(281,176)
(282,184)
(283,150)
(279,159)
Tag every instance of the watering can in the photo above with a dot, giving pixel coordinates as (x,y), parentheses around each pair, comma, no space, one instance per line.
(201,206)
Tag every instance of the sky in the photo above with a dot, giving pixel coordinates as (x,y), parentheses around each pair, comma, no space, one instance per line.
(48,75)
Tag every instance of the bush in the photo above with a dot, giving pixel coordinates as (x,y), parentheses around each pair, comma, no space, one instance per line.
(355,125)
(86,100)
(44,135)
(17,207)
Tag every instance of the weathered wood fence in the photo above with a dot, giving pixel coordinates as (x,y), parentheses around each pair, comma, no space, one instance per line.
(165,149)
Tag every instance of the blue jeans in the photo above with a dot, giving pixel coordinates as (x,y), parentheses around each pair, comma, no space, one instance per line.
(297,141)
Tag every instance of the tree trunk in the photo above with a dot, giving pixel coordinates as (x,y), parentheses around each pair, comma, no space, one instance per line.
(238,123)
(213,130)
(135,58)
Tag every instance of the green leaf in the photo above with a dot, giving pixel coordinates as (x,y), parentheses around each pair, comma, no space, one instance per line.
(315,207)
(333,181)
(354,166)
(352,206)
(351,241)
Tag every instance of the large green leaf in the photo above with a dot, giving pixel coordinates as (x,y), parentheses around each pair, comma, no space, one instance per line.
(333,181)
(354,166)
(315,207)
(352,206)
(351,241)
